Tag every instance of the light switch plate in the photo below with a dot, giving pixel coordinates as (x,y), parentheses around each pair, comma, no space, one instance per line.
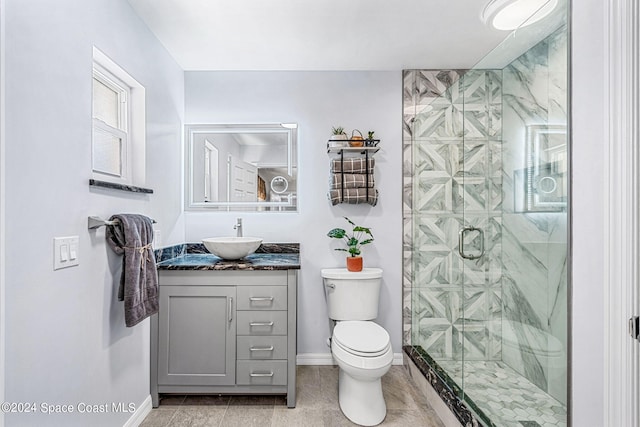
(62,249)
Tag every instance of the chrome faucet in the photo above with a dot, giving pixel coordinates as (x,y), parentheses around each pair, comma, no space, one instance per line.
(238,227)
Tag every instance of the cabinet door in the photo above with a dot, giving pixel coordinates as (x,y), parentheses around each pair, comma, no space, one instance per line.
(197,335)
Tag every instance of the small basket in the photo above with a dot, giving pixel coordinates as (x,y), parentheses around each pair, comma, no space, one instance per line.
(356,140)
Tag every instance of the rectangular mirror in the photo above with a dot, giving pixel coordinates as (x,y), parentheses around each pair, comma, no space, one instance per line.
(241,167)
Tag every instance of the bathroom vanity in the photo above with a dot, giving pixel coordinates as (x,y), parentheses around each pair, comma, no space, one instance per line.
(226,327)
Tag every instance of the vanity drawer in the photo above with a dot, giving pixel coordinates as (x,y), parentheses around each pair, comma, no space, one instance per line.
(254,372)
(262,297)
(262,347)
(262,323)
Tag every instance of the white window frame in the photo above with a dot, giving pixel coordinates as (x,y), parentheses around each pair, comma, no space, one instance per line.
(131,127)
(120,132)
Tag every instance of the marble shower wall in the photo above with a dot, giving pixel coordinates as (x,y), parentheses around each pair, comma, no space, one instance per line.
(452,179)
(420,89)
(518,292)
(535,240)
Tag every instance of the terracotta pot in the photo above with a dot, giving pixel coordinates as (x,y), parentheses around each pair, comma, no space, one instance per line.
(354,263)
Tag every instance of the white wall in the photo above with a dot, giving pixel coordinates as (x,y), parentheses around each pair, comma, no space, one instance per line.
(65,337)
(316,101)
(589,177)
(2,206)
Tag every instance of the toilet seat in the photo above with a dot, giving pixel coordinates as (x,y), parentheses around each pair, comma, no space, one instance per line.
(361,338)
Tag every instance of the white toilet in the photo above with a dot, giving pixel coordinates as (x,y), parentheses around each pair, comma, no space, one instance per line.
(360,347)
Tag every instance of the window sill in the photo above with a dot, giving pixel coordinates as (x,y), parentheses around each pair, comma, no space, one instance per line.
(121,187)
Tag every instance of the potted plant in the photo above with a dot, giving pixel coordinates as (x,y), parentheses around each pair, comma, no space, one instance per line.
(338,138)
(370,141)
(359,236)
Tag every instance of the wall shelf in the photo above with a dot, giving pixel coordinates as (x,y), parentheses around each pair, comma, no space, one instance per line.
(358,150)
(370,193)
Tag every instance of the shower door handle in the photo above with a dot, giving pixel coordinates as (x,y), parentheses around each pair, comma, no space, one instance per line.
(461,243)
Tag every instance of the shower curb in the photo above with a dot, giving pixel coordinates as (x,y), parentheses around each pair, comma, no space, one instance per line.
(448,391)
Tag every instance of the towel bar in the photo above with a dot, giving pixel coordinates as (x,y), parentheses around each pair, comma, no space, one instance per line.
(97,222)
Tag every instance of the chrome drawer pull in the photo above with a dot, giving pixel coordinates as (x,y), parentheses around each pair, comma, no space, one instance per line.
(270,348)
(259,374)
(261,324)
(261,298)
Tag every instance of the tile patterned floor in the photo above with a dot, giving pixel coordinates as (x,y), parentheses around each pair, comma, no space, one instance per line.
(317,405)
(512,401)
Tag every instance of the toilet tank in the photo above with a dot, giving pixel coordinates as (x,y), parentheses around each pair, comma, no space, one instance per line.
(352,295)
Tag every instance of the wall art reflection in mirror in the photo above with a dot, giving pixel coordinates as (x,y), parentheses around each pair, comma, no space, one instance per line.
(232,167)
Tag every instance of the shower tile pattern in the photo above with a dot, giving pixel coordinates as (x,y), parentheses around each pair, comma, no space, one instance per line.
(449,185)
(512,400)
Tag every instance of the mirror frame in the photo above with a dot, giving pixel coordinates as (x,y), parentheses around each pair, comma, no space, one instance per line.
(291,129)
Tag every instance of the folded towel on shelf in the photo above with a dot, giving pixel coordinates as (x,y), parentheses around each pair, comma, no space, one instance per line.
(131,237)
(351,180)
(353,165)
(353,196)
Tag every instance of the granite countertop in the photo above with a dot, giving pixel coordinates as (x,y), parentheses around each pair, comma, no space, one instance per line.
(194,256)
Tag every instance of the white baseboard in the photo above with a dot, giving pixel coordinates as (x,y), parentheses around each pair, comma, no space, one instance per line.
(314,359)
(140,414)
(327,359)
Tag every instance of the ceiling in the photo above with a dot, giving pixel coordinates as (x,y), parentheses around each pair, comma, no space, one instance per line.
(320,35)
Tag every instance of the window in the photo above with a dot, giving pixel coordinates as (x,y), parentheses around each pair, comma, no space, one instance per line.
(110,117)
(118,124)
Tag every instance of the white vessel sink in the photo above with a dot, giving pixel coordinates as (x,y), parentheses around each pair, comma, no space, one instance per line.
(232,247)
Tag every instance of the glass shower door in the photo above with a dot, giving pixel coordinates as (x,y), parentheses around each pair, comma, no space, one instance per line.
(479,237)
(513,237)
(487,210)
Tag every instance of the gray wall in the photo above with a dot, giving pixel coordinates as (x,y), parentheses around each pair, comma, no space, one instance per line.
(65,331)
(316,101)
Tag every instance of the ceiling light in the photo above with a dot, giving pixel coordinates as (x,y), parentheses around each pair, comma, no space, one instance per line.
(512,14)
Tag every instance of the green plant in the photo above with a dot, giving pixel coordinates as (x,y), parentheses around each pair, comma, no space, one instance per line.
(370,135)
(338,130)
(359,236)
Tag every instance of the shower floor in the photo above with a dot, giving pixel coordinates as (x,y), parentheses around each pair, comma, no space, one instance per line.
(512,400)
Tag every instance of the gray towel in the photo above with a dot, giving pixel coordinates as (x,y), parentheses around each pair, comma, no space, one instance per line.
(354,196)
(351,180)
(353,165)
(132,238)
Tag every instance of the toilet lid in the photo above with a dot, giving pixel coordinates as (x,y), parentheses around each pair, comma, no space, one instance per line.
(362,337)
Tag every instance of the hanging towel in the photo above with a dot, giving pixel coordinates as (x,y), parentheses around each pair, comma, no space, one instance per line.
(353,165)
(351,180)
(354,196)
(132,237)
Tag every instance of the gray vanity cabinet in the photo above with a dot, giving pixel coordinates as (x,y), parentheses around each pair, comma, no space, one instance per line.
(225,332)
(197,335)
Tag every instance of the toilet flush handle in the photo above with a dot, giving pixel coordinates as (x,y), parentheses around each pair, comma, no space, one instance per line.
(330,285)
